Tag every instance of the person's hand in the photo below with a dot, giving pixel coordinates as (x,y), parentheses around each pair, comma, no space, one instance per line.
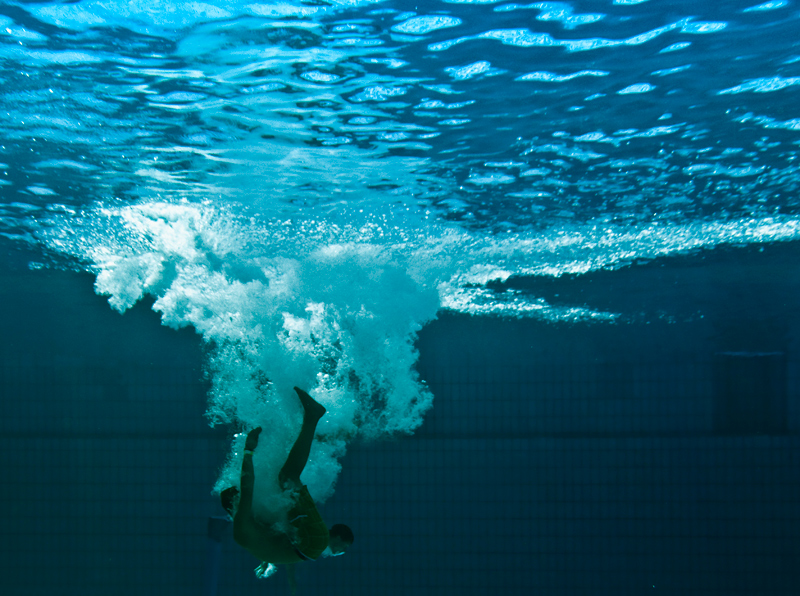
(264,570)
(252,439)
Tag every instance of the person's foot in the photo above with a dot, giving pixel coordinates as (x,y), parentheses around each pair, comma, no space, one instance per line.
(252,439)
(312,408)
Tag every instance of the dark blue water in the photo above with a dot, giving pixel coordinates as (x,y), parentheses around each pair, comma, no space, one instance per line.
(552,245)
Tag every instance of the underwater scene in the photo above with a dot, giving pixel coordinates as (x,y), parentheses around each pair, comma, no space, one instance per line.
(538,263)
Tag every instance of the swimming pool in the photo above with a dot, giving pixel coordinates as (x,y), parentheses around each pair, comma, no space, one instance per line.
(539,262)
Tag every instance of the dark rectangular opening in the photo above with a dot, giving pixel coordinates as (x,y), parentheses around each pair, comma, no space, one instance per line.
(750,393)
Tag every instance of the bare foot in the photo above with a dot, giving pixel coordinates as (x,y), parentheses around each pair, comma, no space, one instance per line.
(312,408)
(252,439)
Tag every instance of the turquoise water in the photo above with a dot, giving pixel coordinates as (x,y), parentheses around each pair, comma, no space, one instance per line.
(308,184)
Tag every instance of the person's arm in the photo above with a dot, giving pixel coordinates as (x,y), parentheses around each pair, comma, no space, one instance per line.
(291,577)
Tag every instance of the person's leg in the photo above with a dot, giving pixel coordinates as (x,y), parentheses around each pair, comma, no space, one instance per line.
(245,510)
(298,456)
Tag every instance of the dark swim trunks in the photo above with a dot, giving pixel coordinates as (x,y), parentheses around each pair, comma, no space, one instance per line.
(312,533)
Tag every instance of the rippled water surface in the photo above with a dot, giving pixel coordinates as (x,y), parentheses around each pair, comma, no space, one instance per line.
(497,116)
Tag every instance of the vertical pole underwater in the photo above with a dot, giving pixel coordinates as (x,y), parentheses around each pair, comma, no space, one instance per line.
(216,530)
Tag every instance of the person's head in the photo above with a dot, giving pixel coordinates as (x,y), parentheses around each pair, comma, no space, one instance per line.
(341,537)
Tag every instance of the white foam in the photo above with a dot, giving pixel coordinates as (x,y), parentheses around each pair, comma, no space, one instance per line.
(338,319)
(335,308)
